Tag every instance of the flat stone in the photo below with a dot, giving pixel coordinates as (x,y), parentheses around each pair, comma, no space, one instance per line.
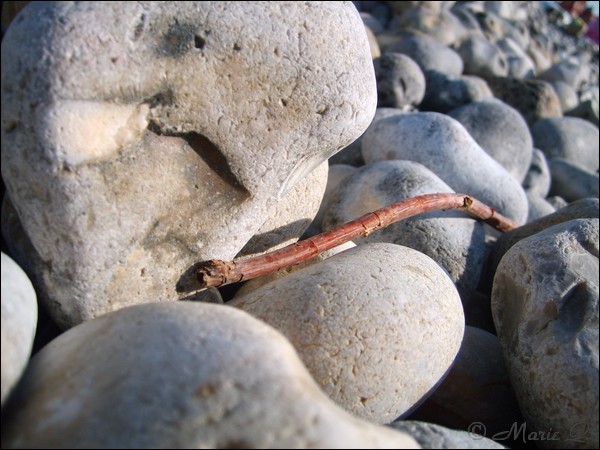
(430,435)
(571,181)
(428,53)
(452,239)
(443,92)
(534,99)
(501,131)
(400,81)
(292,215)
(443,145)
(19,320)
(377,326)
(571,138)
(545,305)
(477,389)
(482,58)
(133,377)
(538,179)
(170,136)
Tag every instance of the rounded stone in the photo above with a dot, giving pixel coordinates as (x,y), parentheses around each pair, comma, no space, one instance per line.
(443,26)
(571,181)
(501,131)
(545,304)
(443,92)
(400,81)
(452,239)
(377,325)
(431,435)
(19,320)
(477,389)
(178,375)
(534,99)
(428,53)
(538,179)
(443,145)
(570,138)
(566,95)
(538,207)
(170,136)
(572,71)
(520,65)
(482,58)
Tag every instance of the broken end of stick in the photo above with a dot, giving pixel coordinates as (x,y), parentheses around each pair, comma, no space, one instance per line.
(467,202)
(213,273)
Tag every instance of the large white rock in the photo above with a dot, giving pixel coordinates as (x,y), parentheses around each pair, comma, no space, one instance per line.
(545,307)
(443,145)
(377,325)
(139,138)
(19,320)
(179,375)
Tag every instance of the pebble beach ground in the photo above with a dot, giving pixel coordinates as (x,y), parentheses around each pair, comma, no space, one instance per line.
(139,139)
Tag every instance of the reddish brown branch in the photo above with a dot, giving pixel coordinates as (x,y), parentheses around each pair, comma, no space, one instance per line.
(218,273)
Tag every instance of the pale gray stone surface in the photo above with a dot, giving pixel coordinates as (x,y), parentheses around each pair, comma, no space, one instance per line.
(520,65)
(179,375)
(501,131)
(337,175)
(444,146)
(482,58)
(452,239)
(571,138)
(538,207)
(571,181)
(444,92)
(292,215)
(442,25)
(377,326)
(538,179)
(400,81)
(430,435)
(19,320)
(545,307)
(428,53)
(566,95)
(139,138)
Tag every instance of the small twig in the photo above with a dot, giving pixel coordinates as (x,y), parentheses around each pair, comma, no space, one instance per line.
(215,272)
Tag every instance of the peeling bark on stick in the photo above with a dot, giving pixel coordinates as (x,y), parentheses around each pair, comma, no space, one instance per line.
(216,273)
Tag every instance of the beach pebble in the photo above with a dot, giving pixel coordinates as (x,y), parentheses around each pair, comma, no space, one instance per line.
(431,435)
(571,138)
(443,145)
(482,58)
(170,135)
(428,53)
(377,326)
(352,154)
(292,215)
(520,65)
(572,71)
(453,240)
(581,209)
(477,389)
(442,25)
(443,92)
(566,95)
(588,108)
(538,207)
(372,22)
(373,44)
(571,181)
(538,179)
(19,319)
(501,131)
(557,201)
(400,81)
(338,173)
(534,99)
(178,375)
(545,305)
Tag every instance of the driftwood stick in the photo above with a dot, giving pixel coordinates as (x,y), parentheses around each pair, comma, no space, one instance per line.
(216,273)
